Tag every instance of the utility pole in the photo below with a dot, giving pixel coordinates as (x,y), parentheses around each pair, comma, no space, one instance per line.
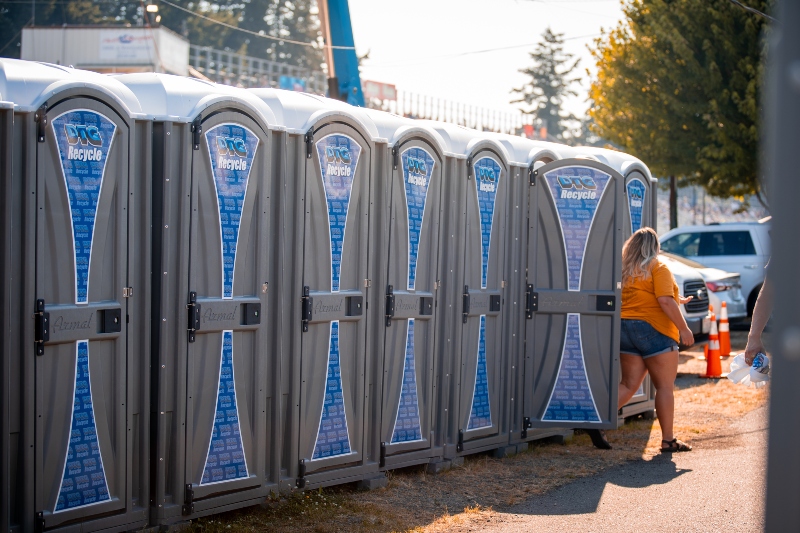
(673,202)
(325,18)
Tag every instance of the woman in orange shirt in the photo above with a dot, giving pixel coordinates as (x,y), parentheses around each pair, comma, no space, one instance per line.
(652,326)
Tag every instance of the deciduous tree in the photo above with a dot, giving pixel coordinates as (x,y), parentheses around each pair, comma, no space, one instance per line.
(678,85)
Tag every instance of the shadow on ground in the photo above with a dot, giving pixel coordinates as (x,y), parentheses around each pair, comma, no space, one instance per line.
(568,501)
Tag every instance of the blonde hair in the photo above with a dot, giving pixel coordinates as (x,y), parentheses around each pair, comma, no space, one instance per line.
(638,253)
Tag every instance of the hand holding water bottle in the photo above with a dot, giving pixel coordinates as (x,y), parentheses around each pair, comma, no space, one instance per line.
(757,374)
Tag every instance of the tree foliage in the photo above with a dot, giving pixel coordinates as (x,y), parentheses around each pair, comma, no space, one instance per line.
(294,20)
(679,84)
(550,84)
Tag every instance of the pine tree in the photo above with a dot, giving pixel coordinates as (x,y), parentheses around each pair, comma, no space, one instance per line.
(550,84)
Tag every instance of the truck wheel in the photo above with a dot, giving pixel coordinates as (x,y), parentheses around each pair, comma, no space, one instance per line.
(751,300)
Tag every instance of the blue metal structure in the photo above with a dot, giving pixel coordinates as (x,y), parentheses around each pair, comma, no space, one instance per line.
(344,59)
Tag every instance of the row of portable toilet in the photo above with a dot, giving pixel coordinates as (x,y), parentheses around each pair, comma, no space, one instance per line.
(211,294)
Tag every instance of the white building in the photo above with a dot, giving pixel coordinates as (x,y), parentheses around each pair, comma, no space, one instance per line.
(108,49)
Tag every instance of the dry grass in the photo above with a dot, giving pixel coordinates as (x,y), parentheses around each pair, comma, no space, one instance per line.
(469,496)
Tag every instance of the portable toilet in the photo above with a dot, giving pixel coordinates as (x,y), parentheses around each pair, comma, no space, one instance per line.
(331,391)
(641,209)
(75,395)
(573,288)
(216,320)
(475,193)
(527,156)
(410,173)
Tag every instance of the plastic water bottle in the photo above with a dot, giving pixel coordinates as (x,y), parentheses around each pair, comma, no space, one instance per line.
(761,363)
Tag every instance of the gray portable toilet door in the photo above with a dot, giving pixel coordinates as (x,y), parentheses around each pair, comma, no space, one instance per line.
(638,213)
(82,454)
(481,338)
(229,240)
(573,297)
(413,267)
(335,254)
(638,204)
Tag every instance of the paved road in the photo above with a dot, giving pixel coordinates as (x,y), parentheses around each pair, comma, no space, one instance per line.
(717,487)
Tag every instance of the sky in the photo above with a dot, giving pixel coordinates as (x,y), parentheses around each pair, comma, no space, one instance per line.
(424,46)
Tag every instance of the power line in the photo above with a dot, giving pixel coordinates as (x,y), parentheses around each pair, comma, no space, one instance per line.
(753,10)
(253,33)
(476,52)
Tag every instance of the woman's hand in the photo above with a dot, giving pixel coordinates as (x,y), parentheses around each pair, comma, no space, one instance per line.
(685,300)
(687,337)
(671,309)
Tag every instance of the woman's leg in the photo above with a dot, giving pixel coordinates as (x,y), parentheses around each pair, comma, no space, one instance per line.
(663,369)
(633,371)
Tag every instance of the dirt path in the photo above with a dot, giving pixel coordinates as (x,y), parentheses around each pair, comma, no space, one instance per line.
(473,497)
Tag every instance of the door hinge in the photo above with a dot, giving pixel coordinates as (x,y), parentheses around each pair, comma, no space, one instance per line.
(531,302)
(389,305)
(41,122)
(460,444)
(127,292)
(395,158)
(307,307)
(188,500)
(367,283)
(465,304)
(309,139)
(194,315)
(300,482)
(532,173)
(382,461)
(503,284)
(469,167)
(38,522)
(526,425)
(197,129)
(42,327)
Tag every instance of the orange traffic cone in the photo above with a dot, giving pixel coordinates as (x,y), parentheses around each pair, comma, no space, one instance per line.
(713,364)
(704,357)
(724,332)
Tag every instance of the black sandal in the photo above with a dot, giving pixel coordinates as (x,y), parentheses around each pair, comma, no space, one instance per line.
(675,445)
(599,440)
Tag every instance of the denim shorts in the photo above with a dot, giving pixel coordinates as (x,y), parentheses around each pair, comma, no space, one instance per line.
(640,338)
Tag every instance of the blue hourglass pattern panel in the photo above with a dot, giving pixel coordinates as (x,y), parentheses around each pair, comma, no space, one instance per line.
(338,159)
(577,192)
(84,141)
(571,398)
(487,180)
(332,436)
(225,459)
(84,479)
(407,426)
(232,149)
(417,171)
(481,413)
(636,196)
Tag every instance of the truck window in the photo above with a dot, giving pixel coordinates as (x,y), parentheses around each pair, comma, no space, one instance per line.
(726,243)
(685,244)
